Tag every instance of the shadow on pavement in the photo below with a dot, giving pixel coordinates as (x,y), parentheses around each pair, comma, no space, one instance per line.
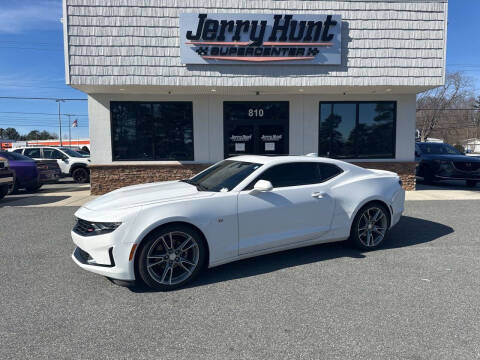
(30,200)
(408,232)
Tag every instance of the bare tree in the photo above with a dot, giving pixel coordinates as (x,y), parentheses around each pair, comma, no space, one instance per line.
(456,89)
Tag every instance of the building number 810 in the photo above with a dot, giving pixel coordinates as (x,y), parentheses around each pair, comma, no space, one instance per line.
(255,112)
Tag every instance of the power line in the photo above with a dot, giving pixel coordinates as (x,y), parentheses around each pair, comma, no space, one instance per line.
(39,125)
(27,48)
(39,98)
(34,113)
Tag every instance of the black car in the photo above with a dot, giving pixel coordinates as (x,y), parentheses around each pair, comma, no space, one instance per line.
(439,161)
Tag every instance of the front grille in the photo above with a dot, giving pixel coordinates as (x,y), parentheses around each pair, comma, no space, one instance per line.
(467,166)
(83,227)
(5,174)
(2,165)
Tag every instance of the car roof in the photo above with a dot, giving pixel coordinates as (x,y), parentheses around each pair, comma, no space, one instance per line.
(288,159)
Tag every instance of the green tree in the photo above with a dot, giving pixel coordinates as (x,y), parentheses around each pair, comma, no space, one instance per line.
(11,134)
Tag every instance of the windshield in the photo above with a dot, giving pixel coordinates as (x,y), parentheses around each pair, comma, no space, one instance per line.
(438,149)
(71,153)
(14,156)
(223,176)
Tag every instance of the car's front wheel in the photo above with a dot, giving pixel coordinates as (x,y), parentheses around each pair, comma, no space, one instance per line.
(370,226)
(3,191)
(171,257)
(80,175)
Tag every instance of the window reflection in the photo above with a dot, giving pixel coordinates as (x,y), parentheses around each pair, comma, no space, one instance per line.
(152,131)
(357,129)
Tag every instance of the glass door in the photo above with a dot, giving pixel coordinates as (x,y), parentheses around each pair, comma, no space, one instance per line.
(259,127)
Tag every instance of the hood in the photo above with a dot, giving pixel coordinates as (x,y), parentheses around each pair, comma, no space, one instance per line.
(144,194)
(450,157)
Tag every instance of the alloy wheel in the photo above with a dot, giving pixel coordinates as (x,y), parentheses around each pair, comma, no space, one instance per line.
(372,227)
(172,258)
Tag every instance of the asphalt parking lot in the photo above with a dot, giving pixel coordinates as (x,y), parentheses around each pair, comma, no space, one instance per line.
(418,298)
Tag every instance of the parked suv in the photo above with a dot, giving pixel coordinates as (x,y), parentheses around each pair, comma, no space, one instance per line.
(6,178)
(71,163)
(439,161)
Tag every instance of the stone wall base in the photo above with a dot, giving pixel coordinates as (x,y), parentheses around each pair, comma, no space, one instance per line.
(406,171)
(106,178)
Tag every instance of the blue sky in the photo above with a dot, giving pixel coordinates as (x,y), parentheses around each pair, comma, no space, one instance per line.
(32,62)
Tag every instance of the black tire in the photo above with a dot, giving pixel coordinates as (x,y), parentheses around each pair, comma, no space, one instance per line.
(3,191)
(153,244)
(81,175)
(471,183)
(358,227)
(14,188)
(34,188)
(428,177)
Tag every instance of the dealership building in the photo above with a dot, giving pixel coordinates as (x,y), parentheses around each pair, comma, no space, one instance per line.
(176,85)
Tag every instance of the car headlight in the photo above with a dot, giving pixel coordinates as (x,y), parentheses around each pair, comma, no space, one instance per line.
(88,228)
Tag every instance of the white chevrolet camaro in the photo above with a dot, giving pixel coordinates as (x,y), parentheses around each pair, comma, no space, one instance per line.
(165,233)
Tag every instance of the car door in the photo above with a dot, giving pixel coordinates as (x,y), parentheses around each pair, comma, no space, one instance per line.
(299,208)
(54,154)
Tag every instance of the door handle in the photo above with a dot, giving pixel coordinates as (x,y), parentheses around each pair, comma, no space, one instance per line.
(318,194)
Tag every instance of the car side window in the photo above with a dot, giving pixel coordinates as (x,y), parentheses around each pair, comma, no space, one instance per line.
(328,171)
(18,151)
(32,153)
(52,154)
(296,174)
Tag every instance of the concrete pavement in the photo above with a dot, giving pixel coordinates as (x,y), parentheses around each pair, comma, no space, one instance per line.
(416,298)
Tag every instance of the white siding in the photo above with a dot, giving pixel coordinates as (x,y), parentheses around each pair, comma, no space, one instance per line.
(135,42)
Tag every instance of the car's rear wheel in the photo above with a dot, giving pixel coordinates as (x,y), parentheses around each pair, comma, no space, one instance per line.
(471,183)
(370,226)
(80,175)
(428,177)
(171,257)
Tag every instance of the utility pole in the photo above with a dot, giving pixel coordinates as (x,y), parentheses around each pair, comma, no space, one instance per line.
(60,119)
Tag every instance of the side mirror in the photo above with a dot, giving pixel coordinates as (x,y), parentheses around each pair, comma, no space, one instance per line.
(263,186)
(65,160)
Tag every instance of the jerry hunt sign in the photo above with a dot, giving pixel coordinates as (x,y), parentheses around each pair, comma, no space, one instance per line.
(260,38)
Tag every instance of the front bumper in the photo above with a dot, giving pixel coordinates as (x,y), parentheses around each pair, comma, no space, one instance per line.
(6,178)
(104,254)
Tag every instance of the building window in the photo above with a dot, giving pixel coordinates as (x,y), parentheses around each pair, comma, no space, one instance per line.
(152,130)
(352,130)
